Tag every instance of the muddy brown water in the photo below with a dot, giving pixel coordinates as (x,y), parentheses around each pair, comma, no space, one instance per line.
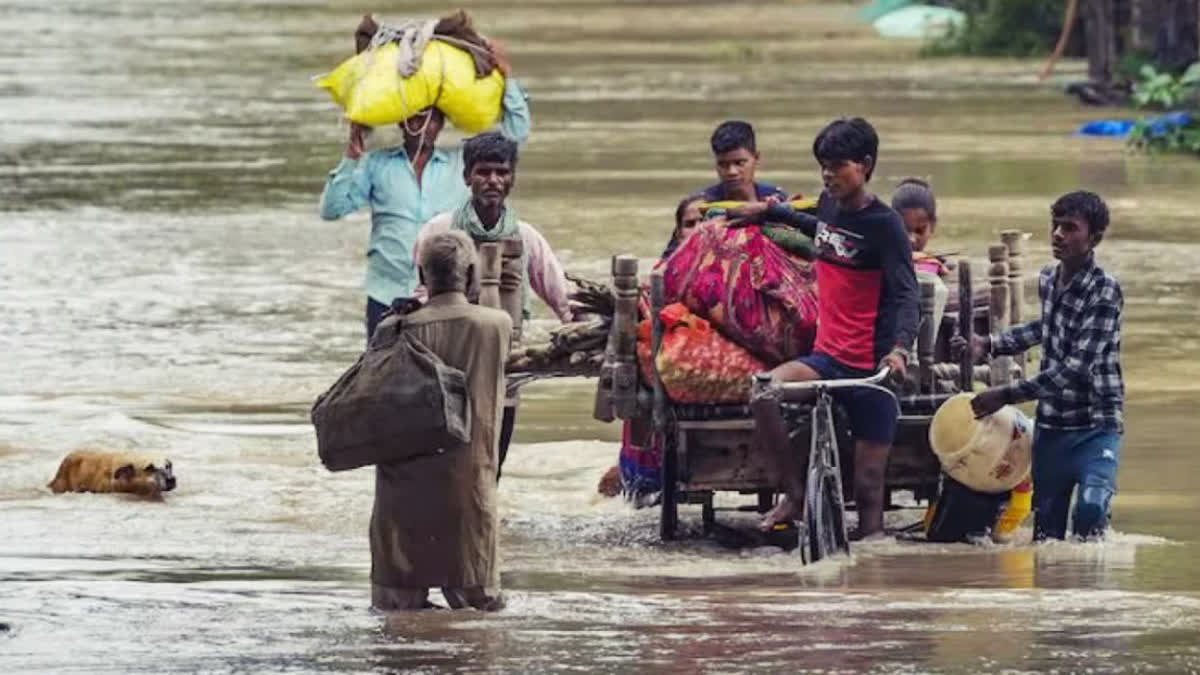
(165,284)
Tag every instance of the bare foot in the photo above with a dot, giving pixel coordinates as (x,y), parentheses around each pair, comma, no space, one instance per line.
(610,483)
(784,512)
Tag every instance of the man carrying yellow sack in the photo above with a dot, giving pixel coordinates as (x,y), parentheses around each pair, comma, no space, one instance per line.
(405,187)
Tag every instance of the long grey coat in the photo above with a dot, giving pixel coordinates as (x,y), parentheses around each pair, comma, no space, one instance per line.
(435,520)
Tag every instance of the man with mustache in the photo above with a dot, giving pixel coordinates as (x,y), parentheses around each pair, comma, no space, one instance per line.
(406,186)
(490,171)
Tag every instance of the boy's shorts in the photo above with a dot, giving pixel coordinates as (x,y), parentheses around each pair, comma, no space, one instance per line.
(873,414)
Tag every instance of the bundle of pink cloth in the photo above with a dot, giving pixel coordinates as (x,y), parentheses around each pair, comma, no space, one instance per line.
(748,288)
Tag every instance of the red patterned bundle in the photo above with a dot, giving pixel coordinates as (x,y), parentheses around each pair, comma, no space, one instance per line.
(696,363)
(756,294)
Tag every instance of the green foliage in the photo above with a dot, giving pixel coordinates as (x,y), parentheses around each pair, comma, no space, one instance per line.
(1163,90)
(1129,64)
(1174,139)
(1005,28)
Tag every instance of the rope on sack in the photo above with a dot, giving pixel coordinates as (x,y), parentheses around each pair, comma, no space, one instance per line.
(412,36)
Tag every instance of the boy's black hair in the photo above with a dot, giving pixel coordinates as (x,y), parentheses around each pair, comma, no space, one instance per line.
(914,193)
(844,139)
(731,135)
(1086,205)
(491,146)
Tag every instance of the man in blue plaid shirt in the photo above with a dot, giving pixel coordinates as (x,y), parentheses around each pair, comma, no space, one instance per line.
(1078,387)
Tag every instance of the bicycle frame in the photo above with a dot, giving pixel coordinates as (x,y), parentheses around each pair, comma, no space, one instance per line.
(824,507)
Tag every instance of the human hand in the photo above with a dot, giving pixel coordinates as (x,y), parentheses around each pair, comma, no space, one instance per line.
(979,347)
(357,144)
(897,360)
(500,53)
(987,402)
(365,32)
(746,214)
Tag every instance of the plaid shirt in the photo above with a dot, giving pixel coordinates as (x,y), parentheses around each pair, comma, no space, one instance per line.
(1079,383)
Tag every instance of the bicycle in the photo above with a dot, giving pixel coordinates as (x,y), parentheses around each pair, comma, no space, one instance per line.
(824,509)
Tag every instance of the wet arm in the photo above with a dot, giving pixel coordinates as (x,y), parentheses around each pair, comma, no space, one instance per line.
(515,119)
(1095,340)
(784,214)
(546,275)
(347,189)
(1017,339)
(900,280)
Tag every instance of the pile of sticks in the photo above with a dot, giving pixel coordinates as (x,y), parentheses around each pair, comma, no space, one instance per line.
(576,348)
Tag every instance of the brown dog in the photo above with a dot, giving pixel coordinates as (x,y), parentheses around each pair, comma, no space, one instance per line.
(93,471)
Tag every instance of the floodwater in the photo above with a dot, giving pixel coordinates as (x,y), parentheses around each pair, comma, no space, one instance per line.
(166,285)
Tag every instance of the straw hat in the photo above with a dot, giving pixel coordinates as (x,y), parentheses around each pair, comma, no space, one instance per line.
(993,454)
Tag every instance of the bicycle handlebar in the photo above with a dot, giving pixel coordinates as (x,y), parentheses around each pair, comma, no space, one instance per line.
(763,381)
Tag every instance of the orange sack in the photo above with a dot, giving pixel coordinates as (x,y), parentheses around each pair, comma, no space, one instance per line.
(696,363)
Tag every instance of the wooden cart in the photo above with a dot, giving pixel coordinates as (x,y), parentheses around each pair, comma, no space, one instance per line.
(713,448)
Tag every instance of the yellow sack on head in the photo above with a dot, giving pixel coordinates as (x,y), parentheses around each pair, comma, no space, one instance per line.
(369,88)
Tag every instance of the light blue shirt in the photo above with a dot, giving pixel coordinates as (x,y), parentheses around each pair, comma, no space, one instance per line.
(400,205)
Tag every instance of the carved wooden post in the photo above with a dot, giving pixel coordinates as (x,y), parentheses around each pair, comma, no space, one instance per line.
(603,406)
(656,336)
(512,282)
(1015,241)
(966,325)
(925,336)
(489,274)
(998,309)
(669,509)
(624,330)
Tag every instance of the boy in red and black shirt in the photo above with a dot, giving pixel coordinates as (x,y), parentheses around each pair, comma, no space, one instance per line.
(867,299)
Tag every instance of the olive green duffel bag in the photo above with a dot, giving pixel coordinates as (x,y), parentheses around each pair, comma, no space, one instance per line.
(397,402)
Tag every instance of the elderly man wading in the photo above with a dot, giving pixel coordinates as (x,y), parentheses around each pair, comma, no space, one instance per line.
(435,518)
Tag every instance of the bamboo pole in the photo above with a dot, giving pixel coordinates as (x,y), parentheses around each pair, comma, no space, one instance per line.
(1063,38)
(998,309)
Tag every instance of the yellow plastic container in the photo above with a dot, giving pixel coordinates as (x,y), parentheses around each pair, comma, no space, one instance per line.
(369,89)
(992,454)
(1020,504)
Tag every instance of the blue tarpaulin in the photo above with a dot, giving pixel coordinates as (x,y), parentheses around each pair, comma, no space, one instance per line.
(1120,128)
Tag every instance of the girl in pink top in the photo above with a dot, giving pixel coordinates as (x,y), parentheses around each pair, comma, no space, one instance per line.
(915,203)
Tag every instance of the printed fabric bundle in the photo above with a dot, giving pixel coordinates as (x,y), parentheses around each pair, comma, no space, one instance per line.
(695,362)
(744,284)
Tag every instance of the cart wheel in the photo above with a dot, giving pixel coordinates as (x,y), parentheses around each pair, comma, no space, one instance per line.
(669,516)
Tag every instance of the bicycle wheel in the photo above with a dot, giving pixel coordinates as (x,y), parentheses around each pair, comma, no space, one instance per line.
(824,508)
(825,519)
